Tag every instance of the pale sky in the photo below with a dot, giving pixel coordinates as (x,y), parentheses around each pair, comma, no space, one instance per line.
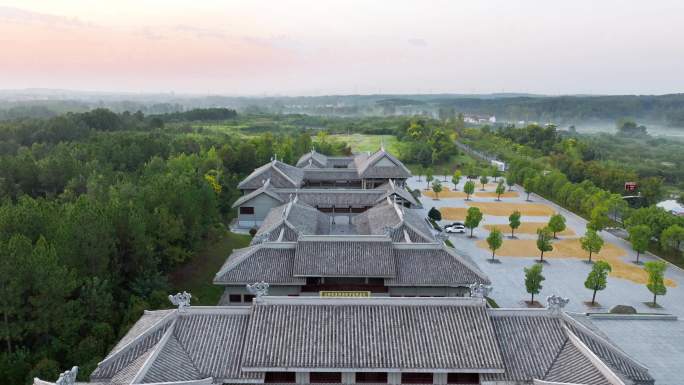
(319,47)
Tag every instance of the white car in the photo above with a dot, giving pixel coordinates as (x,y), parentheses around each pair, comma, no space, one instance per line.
(455,229)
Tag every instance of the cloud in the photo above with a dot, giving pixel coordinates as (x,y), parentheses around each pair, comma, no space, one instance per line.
(18,15)
(418,42)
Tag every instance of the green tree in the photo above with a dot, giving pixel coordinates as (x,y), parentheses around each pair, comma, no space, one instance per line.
(591,242)
(510,181)
(473,218)
(672,237)
(597,278)
(534,279)
(598,219)
(495,241)
(544,241)
(639,236)
(429,177)
(437,188)
(656,283)
(652,189)
(469,189)
(419,171)
(456,178)
(484,180)
(500,189)
(514,222)
(556,224)
(434,214)
(528,185)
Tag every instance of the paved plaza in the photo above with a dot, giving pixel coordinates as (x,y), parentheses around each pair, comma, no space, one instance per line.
(659,343)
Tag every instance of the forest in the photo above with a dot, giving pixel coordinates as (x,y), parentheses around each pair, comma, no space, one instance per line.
(96,210)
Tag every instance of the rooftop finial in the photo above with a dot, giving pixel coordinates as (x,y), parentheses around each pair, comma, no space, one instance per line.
(68,377)
(258,289)
(182,300)
(555,304)
(480,290)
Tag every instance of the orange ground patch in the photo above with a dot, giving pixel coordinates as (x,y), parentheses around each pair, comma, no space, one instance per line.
(528,228)
(453,213)
(489,194)
(572,248)
(445,194)
(507,208)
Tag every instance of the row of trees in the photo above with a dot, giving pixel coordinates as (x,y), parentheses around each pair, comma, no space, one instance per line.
(597,279)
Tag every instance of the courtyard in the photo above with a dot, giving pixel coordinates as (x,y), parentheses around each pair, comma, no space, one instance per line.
(566,270)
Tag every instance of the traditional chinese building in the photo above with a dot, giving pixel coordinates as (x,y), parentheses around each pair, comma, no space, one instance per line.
(388,250)
(283,340)
(341,186)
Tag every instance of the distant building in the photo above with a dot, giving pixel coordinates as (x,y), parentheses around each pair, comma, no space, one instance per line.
(339,185)
(282,340)
(672,206)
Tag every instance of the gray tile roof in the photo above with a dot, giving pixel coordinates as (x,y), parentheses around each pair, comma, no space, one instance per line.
(537,345)
(386,215)
(263,189)
(318,167)
(172,364)
(229,344)
(314,158)
(330,174)
(281,175)
(366,165)
(199,344)
(529,345)
(433,265)
(267,262)
(127,359)
(366,336)
(294,218)
(610,354)
(344,257)
(572,366)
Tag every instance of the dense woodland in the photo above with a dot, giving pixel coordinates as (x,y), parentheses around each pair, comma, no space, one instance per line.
(96,209)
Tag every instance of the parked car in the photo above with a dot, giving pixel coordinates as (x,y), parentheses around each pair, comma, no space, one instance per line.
(457,229)
(457,224)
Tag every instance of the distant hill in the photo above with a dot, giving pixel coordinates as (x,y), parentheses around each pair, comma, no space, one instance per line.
(665,110)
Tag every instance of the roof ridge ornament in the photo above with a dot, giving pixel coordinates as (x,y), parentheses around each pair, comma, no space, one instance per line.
(259,290)
(480,290)
(555,304)
(68,377)
(182,300)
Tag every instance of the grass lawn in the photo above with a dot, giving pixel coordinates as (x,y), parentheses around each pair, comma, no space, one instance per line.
(196,275)
(364,143)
